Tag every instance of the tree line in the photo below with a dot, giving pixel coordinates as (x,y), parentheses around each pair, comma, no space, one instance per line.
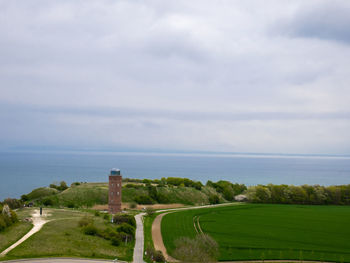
(304,194)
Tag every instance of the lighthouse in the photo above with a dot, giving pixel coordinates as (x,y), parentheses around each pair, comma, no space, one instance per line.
(115,192)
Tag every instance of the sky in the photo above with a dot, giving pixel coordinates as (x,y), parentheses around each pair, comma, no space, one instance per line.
(226,76)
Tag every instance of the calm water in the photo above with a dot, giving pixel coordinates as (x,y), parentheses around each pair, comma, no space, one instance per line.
(22,172)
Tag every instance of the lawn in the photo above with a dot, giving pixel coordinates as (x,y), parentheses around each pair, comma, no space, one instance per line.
(62,237)
(268,231)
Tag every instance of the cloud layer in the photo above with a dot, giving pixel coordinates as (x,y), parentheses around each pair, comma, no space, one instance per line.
(243,76)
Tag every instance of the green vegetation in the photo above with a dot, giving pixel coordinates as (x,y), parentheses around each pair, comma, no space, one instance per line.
(151,253)
(13,233)
(260,231)
(202,248)
(305,194)
(184,191)
(63,236)
(7,217)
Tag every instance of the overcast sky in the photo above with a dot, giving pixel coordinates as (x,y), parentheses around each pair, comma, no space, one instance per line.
(236,76)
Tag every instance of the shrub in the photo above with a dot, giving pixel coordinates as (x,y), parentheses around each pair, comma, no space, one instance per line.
(116,241)
(214,199)
(70,205)
(90,229)
(13,203)
(106,216)
(48,202)
(84,221)
(124,218)
(143,199)
(126,228)
(149,211)
(24,198)
(97,213)
(154,255)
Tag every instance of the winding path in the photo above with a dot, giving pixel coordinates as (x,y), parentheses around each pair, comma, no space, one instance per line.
(38,222)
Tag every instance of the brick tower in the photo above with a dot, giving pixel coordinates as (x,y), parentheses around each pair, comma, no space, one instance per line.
(115,192)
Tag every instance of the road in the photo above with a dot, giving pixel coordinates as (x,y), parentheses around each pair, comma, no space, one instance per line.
(38,222)
(139,239)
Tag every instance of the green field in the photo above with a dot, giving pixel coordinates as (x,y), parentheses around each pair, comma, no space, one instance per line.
(252,231)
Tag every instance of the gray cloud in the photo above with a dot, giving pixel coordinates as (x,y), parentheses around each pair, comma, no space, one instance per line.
(327,20)
(194,75)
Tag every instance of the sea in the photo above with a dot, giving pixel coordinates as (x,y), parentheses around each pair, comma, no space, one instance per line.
(21,172)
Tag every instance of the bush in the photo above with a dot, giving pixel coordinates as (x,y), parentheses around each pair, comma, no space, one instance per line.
(143,199)
(132,205)
(89,229)
(116,241)
(126,228)
(97,213)
(149,211)
(106,216)
(123,218)
(70,205)
(13,203)
(154,255)
(48,202)
(214,199)
(84,221)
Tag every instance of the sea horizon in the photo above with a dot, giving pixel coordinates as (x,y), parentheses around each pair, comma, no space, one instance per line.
(24,170)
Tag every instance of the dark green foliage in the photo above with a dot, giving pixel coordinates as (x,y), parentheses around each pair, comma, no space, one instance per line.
(126,228)
(75,184)
(144,200)
(154,255)
(124,218)
(97,213)
(305,194)
(116,241)
(70,205)
(89,229)
(7,217)
(24,198)
(48,202)
(214,199)
(106,216)
(61,187)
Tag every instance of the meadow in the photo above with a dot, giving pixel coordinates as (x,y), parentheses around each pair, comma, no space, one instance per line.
(61,237)
(262,231)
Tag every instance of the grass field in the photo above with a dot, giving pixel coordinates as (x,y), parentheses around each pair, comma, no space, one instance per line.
(13,233)
(62,237)
(268,231)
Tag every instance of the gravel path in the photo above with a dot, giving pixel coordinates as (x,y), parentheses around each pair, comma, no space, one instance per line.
(38,222)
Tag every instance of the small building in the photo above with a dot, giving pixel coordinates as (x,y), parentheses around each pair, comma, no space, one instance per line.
(115,192)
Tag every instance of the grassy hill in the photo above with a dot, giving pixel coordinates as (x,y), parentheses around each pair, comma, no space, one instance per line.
(90,194)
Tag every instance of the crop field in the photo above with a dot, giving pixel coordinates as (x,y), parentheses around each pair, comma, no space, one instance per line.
(261,231)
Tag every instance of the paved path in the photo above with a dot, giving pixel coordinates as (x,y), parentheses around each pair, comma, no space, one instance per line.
(139,239)
(38,222)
